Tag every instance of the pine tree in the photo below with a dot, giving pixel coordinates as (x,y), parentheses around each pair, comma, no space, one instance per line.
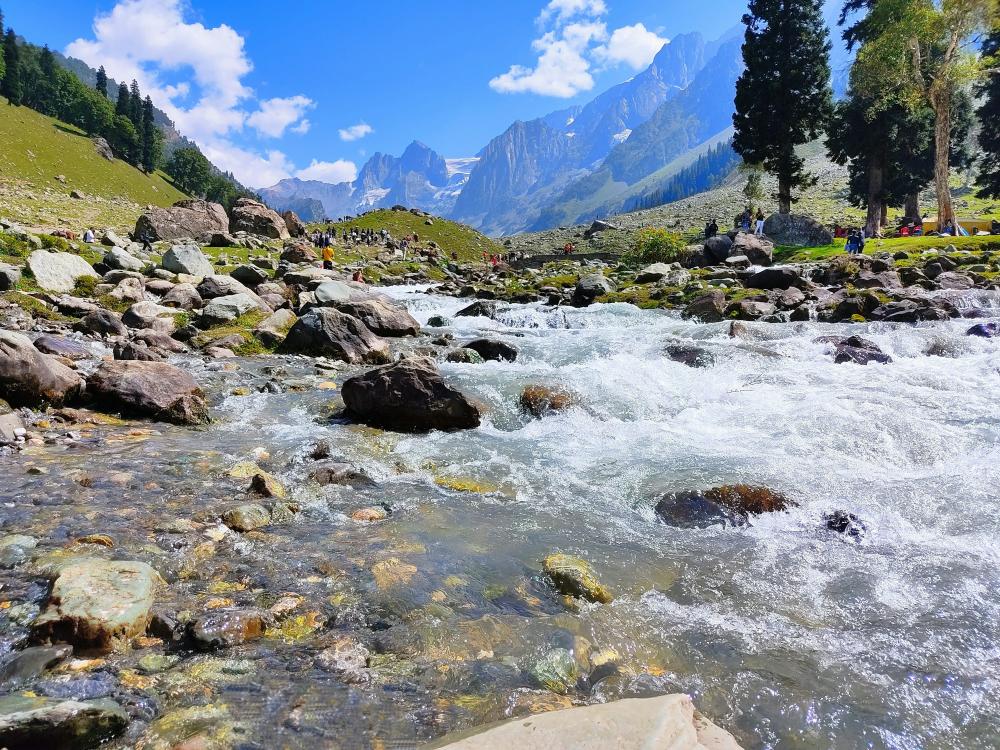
(12,86)
(102,82)
(152,139)
(3,66)
(124,98)
(989,117)
(135,105)
(783,98)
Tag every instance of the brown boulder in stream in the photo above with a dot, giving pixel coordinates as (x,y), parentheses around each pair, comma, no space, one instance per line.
(30,378)
(149,389)
(728,505)
(408,396)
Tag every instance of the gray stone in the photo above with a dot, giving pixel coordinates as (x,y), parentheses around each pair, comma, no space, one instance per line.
(250,276)
(188,218)
(797,230)
(187,259)
(150,315)
(9,276)
(33,723)
(226,309)
(149,389)
(183,297)
(329,332)
(59,272)
(121,259)
(30,378)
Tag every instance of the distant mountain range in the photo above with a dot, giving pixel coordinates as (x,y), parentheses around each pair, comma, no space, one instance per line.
(571,166)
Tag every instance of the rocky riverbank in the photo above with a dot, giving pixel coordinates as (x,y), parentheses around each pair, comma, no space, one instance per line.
(300,503)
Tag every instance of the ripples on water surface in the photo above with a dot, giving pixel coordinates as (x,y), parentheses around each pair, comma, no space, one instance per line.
(785,633)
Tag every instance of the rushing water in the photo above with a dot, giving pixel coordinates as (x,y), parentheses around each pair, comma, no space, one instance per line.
(787,634)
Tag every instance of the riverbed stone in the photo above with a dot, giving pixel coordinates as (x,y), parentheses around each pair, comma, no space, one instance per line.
(338,473)
(149,389)
(247,517)
(493,349)
(708,308)
(34,723)
(539,400)
(20,667)
(30,378)
(573,576)
(98,605)
(226,309)
(408,396)
(150,315)
(227,628)
(726,505)
(589,288)
(331,333)
(381,317)
(122,260)
(187,259)
(556,671)
(668,722)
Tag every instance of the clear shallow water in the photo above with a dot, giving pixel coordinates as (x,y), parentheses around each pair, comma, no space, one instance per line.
(785,633)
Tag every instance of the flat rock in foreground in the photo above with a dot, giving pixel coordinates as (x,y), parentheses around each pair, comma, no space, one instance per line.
(149,389)
(32,723)
(30,378)
(408,396)
(668,722)
(59,272)
(98,605)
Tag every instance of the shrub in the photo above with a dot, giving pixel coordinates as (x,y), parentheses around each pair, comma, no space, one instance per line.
(55,243)
(655,246)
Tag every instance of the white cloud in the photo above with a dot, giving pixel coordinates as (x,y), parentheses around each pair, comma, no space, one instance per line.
(275,116)
(302,128)
(355,132)
(196,75)
(636,46)
(575,39)
(327,171)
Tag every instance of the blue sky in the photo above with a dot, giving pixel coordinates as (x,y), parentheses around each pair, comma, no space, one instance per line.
(311,89)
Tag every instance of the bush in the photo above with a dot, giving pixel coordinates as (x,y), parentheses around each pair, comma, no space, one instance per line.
(55,243)
(655,246)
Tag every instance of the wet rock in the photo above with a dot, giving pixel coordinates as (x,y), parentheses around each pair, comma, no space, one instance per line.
(61,347)
(748,309)
(149,389)
(183,297)
(539,400)
(952,280)
(228,628)
(847,524)
(728,505)
(493,349)
(132,351)
(408,396)
(331,333)
(690,355)
(556,671)
(482,308)
(774,278)
(98,605)
(574,577)
(589,288)
(21,667)
(347,659)
(187,218)
(159,340)
(465,356)
(187,259)
(247,517)
(265,485)
(59,272)
(255,218)
(369,515)
(381,317)
(859,351)
(708,308)
(30,378)
(791,298)
(984,330)
(337,473)
(30,723)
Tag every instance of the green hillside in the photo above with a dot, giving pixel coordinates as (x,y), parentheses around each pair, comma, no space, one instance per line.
(35,149)
(448,235)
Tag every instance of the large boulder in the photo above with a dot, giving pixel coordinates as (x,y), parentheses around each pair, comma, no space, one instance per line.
(331,333)
(187,259)
(408,396)
(708,308)
(101,322)
(225,309)
(149,389)
(30,378)
(589,288)
(183,297)
(667,722)
(718,248)
(122,260)
(774,278)
(758,250)
(336,292)
(59,272)
(215,286)
(30,722)
(493,349)
(733,504)
(190,218)
(797,230)
(97,605)
(294,225)
(150,315)
(382,317)
(255,218)
(299,252)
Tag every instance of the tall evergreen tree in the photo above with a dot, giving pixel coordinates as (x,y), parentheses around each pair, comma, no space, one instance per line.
(3,66)
(989,118)
(783,98)
(152,140)
(12,86)
(124,99)
(102,82)
(135,105)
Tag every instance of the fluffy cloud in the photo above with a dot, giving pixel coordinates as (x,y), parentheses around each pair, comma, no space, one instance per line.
(355,132)
(636,46)
(196,75)
(329,171)
(275,116)
(575,37)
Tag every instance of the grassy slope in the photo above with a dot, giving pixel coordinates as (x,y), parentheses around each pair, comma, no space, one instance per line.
(35,148)
(449,236)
